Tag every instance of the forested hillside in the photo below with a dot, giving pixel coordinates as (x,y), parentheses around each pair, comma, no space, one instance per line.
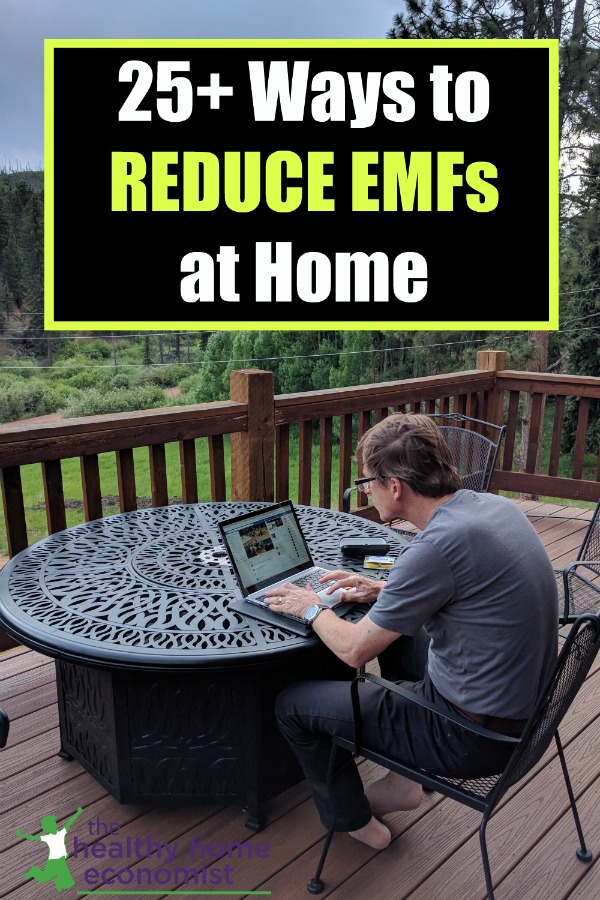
(93,372)
(43,371)
(21,260)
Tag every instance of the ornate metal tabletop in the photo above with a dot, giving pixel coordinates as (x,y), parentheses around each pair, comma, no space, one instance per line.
(145,589)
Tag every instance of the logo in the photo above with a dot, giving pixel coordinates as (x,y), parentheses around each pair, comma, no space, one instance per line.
(126,865)
(56,868)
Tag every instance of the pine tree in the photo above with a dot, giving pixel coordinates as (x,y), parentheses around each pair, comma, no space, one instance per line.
(581,264)
(214,380)
(31,242)
(4,221)
(575,23)
(13,267)
(357,363)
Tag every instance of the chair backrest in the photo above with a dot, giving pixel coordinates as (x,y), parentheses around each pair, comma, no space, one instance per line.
(590,546)
(570,671)
(474,445)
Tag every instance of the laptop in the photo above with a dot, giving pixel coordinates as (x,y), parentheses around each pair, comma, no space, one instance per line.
(267,548)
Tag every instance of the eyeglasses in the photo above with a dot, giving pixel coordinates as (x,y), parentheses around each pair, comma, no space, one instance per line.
(361,483)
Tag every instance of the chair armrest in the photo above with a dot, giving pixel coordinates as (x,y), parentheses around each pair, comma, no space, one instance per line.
(346,499)
(421,701)
(592,564)
(4,727)
(571,571)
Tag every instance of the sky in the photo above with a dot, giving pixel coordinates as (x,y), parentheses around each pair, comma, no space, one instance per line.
(24,24)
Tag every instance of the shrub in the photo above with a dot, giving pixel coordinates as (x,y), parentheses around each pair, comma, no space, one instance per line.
(203,387)
(87,349)
(81,375)
(89,378)
(20,367)
(12,407)
(26,398)
(120,381)
(94,401)
(164,376)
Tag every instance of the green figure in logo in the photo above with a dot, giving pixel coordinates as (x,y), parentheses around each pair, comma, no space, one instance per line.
(56,869)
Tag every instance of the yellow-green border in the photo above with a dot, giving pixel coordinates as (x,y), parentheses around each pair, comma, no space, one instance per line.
(50,324)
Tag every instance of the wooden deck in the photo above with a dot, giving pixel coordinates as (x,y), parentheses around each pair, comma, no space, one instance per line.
(434,854)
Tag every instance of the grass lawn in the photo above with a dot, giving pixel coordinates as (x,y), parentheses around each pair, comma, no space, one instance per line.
(33,489)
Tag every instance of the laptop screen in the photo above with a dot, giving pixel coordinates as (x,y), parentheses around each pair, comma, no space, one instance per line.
(266,546)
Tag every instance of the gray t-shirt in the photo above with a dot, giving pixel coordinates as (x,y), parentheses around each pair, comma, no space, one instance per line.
(480,582)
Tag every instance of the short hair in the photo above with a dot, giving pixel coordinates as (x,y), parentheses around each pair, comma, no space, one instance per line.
(411,448)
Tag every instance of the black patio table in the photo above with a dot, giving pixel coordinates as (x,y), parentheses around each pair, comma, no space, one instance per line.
(165,694)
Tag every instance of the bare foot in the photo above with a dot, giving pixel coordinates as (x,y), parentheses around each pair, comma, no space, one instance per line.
(375,834)
(393,793)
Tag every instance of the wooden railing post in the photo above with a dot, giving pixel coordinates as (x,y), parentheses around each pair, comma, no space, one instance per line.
(252,451)
(493,361)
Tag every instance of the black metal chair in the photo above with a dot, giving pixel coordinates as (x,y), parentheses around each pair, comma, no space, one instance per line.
(579,581)
(474,444)
(573,663)
(4,728)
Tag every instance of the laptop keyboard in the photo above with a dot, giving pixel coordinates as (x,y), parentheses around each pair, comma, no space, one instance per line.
(310,580)
(302,582)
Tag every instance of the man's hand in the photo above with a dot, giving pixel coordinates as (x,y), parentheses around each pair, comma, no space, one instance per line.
(364,590)
(287,598)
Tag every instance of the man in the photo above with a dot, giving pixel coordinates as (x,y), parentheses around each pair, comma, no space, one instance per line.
(467,619)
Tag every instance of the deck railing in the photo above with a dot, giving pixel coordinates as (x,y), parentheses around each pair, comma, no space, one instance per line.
(263,429)
(540,398)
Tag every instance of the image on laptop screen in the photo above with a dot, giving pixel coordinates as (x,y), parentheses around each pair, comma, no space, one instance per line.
(266,546)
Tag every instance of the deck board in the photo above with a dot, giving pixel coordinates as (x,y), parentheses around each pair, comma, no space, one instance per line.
(434,854)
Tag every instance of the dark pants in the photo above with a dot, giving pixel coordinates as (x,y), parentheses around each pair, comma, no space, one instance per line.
(310,713)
